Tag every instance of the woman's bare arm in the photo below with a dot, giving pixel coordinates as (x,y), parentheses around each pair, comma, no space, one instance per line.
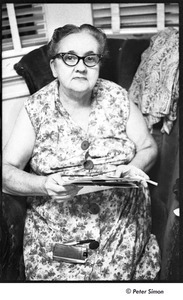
(137,131)
(15,157)
(16,154)
(146,148)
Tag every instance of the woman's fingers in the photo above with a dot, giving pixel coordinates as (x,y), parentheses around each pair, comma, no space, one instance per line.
(121,170)
(134,171)
(63,196)
(56,186)
(131,171)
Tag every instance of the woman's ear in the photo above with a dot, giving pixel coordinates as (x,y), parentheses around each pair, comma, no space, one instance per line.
(52,66)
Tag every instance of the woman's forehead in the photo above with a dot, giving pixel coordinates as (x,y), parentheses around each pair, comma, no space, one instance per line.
(82,41)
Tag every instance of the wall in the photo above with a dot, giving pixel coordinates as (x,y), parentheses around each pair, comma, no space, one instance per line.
(66,14)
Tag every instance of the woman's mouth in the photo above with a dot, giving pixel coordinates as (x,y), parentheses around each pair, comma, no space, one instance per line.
(80,78)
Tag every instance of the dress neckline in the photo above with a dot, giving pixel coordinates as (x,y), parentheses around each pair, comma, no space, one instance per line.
(63,111)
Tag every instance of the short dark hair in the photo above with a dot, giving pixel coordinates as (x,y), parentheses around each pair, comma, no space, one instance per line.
(68,29)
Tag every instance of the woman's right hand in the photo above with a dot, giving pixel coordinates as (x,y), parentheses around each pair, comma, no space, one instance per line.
(59,189)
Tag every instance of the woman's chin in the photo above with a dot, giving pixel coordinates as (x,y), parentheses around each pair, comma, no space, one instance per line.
(80,88)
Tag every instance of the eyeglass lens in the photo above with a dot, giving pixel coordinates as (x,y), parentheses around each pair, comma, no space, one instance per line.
(73,59)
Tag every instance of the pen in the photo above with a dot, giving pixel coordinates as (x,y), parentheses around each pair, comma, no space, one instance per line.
(152,182)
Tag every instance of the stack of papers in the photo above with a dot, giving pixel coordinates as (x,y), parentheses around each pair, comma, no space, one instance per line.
(98,183)
(105,181)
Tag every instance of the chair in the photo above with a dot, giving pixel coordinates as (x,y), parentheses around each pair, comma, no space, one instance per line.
(11,234)
(35,69)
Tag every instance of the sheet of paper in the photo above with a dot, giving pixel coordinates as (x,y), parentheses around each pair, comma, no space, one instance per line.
(91,189)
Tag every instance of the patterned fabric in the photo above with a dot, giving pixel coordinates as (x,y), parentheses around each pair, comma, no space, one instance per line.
(127,250)
(155,87)
(59,138)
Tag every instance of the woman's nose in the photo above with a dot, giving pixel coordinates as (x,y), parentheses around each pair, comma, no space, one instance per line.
(80,65)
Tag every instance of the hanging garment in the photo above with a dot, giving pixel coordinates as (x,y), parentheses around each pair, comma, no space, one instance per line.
(155,87)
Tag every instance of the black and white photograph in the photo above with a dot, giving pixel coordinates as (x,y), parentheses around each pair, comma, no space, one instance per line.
(91,149)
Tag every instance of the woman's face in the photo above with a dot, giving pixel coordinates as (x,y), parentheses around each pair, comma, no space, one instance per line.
(79,78)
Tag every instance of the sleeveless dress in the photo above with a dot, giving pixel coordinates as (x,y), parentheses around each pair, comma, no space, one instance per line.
(118,219)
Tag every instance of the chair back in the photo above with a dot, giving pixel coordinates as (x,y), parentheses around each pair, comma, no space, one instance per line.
(34,67)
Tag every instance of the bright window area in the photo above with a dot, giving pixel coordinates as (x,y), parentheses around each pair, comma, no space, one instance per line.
(135,18)
(23,25)
(23,29)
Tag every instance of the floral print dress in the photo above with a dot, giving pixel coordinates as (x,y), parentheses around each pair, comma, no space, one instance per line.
(118,219)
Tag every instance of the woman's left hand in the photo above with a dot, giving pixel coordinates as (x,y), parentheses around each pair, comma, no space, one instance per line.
(131,171)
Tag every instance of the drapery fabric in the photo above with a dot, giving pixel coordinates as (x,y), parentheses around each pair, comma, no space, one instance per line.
(155,87)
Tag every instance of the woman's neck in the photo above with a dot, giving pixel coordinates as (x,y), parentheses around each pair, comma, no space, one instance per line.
(75,99)
(78,107)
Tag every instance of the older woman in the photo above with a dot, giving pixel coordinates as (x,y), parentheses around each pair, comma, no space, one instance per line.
(80,125)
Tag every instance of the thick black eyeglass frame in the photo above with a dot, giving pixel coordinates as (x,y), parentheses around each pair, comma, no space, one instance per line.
(62,54)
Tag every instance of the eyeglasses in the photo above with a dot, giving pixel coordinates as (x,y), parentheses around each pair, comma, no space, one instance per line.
(72,59)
